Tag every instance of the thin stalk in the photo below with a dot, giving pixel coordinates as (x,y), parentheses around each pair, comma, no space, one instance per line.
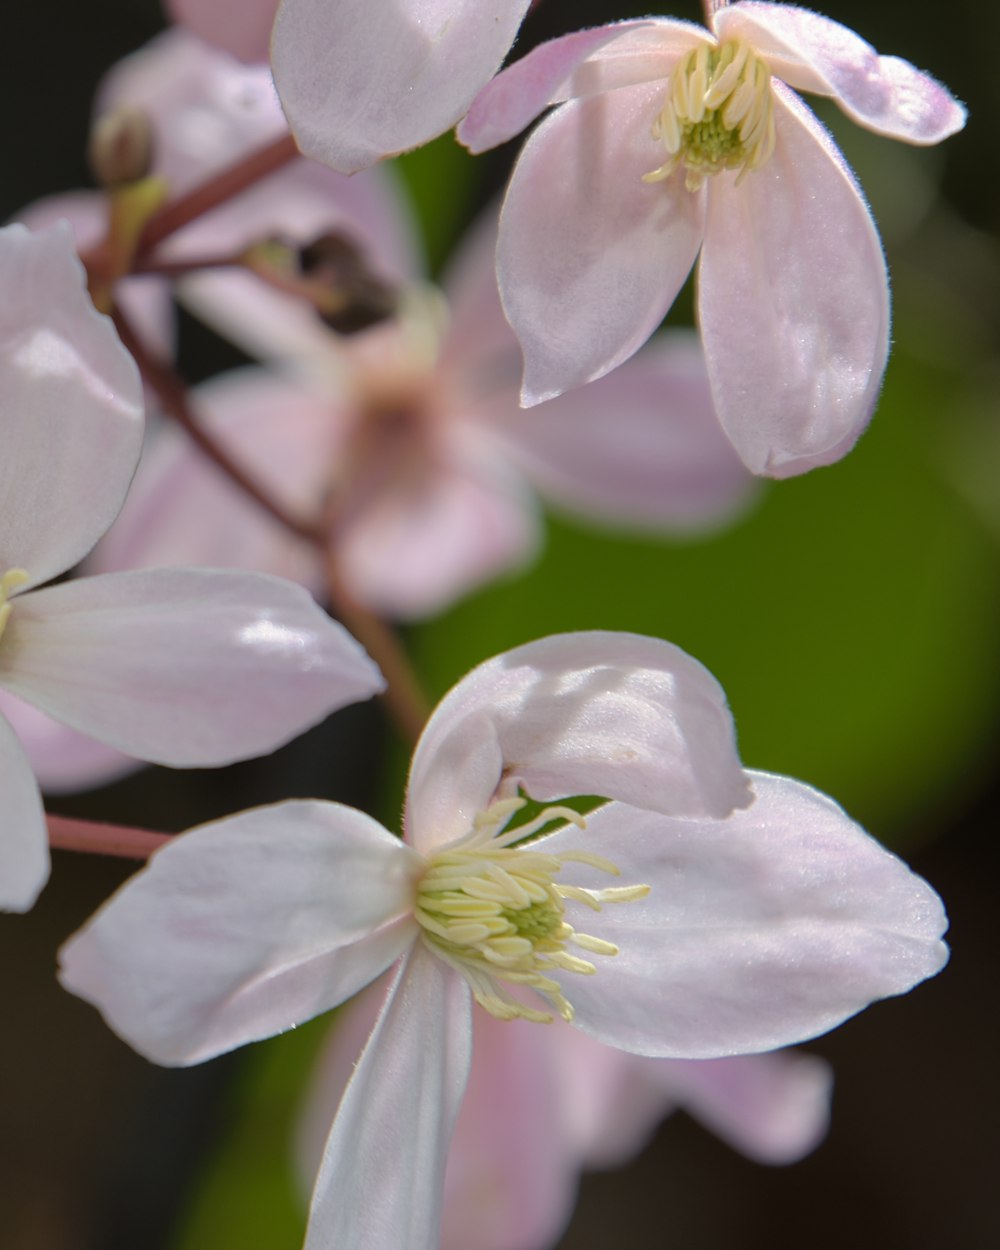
(69,834)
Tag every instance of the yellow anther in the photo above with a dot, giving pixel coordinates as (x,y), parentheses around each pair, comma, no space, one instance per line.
(718,114)
(10,580)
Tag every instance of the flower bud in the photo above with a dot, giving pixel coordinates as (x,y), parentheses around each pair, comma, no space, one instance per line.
(120,150)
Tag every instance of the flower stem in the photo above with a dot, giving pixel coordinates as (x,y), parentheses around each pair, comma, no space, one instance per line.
(70,834)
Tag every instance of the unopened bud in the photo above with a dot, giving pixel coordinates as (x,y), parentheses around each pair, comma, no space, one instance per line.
(121,147)
(357,297)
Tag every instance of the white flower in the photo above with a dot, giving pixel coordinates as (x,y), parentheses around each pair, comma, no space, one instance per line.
(730,931)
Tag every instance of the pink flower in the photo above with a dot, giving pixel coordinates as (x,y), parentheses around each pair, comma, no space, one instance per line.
(668,139)
(240,27)
(541,1105)
(412,438)
(177,666)
(731,931)
(361,81)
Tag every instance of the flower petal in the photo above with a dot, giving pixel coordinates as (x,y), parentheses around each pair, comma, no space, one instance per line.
(245,927)
(621,54)
(72,410)
(764,929)
(24,845)
(793,302)
(187,667)
(380,1183)
(594,712)
(642,446)
(814,53)
(61,759)
(589,256)
(774,1108)
(359,83)
(240,27)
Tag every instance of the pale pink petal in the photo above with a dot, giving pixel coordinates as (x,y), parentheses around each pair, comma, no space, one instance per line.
(764,929)
(594,712)
(241,27)
(590,257)
(70,408)
(245,927)
(62,759)
(183,510)
(642,446)
(24,846)
(183,666)
(379,1186)
(511,1176)
(622,54)
(774,1108)
(793,302)
(814,53)
(361,82)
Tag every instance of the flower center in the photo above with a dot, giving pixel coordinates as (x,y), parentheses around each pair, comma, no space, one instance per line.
(494,912)
(10,580)
(718,114)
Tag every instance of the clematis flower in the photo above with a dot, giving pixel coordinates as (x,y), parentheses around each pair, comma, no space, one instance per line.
(543,1104)
(360,82)
(732,931)
(669,138)
(178,666)
(411,440)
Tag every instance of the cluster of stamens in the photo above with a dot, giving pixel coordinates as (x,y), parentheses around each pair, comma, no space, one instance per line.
(718,114)
(10,580)
(489,906)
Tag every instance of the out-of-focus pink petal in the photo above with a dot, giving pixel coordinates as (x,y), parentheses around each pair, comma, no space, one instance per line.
(511,1178)
(183,510)
(24,847)
(71,411)
(240,27)
(613,714)
(622,54)
(793,302)
(774,1108)
(361,82)
(183,666)
(62,759)
(760,930)
(380,1182)
(642,446)
(245,927)
(814,53)
(590,257)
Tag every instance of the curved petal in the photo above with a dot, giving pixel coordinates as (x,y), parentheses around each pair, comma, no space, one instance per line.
(761,930)
(613,714)
(24,843)
(621,54)
(774,1108)
(71,405)
(814,53)
(240,27)
(187,667)
(245,927)
(380,1182)
(359,83)
(642,446)
(589,256)
(793,302)
(62,759)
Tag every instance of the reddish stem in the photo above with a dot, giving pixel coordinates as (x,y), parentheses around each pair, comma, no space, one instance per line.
(69,834)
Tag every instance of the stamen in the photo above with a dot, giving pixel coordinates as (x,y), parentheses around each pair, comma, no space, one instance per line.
(489,906)
(10,580)
(718,114)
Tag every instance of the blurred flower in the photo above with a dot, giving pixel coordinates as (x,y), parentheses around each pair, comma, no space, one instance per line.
(239,27)
(668,138)
(360,82)
(181,666)
(410,440)
(734,931)
(543,1104)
